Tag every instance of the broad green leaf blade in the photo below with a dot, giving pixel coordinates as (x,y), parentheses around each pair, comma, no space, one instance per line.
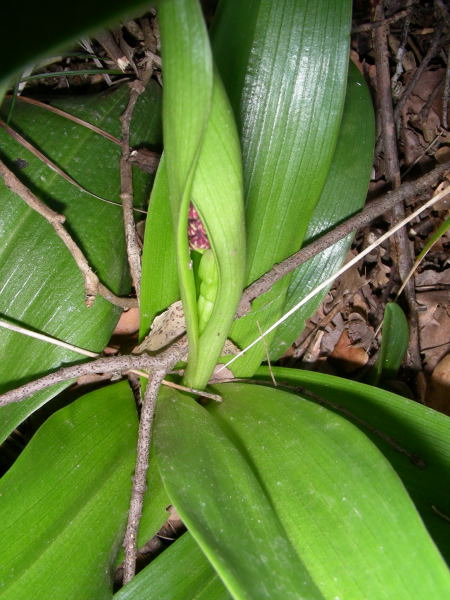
(344,194)
(413,437)
(285,72)
(342,505)
(63,504)
(188,85)
(159,285)
(394,343)
(202,157)
(180,573)
(154,510)
(223,502)
(218,196)
(41,287)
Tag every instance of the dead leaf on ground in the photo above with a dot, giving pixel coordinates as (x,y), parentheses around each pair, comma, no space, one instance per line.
(438,392)
(349,356)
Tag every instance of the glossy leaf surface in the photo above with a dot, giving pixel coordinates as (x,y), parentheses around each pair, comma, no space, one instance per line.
(344,194)
(338,503)
(284,66)
(40,286)
(222,501)
(159,285)
(202,160)
(394,343)
(180,573)
(64,503)
(413,437)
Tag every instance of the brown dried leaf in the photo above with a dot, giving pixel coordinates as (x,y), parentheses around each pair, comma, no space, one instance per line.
(438,392)
(350,357)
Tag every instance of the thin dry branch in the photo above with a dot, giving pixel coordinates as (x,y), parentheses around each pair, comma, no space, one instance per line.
(436,43)
(401,247)
(126,187)
(163,361)
(92,284)
(140,474)
(401,14)
(374,209)
(45,159)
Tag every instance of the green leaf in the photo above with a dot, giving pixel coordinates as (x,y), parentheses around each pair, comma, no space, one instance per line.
(41,287)
(394,343)
(263,457)
(154,510)
(284,66)
(223,502)
(202,158)
(413,437)
(159,285)
(344,194)
(63,504)
(180,573)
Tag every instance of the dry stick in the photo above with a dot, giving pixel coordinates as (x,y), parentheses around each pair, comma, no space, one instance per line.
(400,242)
(171,356)
(444,10)
(46,338)
(145,159)
(140,474)
(126,186)
(106,39)
(68,116)
(446,93)
(56,221)
(114,364)
(374,209)
(431,52)
(375,24)
(91,282)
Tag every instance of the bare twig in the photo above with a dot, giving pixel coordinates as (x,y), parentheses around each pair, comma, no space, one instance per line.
(425,110)
(91,282)
(126,185)
(403,257)
(436,43)
(140,474)
(443,9)
(125,303)
(402,48)
(374,209)
(387,125)
(182,388)
(446,93)
(108,43)
(401,14)
(115,364)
